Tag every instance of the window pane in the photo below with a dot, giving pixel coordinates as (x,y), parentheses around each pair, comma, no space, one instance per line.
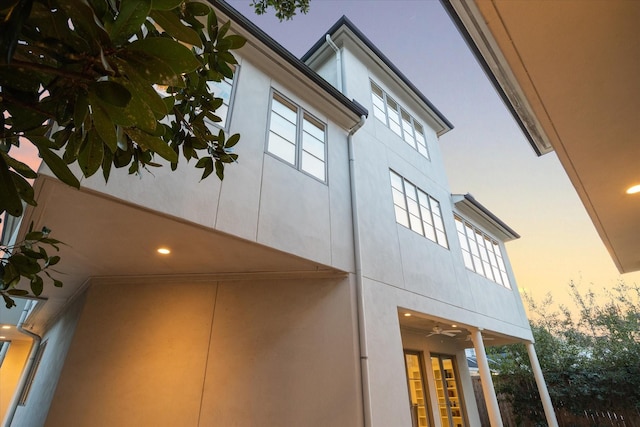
(394,116)
(313,166)
(416,223)
(284,108)
(283,127)
(313,145)
(407,129)
(398,197)
(396,181)
(313,127)
(401,216)
(282,148)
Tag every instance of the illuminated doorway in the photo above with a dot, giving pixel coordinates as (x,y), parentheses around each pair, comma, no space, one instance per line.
(417,390)
(450,408)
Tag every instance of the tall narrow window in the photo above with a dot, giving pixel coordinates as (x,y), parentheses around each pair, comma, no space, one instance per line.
(297,137)
(481,253)
(222,90)
(416,210)
(450,408)
(389,112)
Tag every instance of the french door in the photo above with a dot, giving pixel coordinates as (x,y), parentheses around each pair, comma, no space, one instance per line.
(417,390)
(450,408)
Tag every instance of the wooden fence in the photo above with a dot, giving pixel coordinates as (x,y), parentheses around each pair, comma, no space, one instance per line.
(591,418)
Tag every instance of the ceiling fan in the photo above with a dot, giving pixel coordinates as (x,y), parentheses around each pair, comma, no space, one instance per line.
(437,330)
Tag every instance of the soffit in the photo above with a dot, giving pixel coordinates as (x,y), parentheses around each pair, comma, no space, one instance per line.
(115,241)
(576,64)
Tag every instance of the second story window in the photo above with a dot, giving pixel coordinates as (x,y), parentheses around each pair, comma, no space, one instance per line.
(297,137)
(418,211)
(387,110)
(481,253)
(222,90)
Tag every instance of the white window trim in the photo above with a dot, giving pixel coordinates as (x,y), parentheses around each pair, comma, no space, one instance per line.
(232,95)
(433,220)
(480,255)
(300,113)
(402,133)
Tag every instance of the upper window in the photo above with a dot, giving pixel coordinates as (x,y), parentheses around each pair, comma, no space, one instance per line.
(481,253)
(297,137)
(416,210)
(398,120)
(223,90)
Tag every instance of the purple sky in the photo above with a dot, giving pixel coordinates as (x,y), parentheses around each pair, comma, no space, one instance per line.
(486,154)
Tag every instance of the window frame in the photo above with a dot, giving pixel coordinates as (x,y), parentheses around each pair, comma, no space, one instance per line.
(302,117)
(409,134)
(233,83)
(426,223)
(487,261)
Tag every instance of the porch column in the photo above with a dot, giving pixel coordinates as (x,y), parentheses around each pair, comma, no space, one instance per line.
(487,383)
(542,386)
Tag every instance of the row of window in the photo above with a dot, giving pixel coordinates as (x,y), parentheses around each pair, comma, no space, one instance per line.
(387,110)
(481,253)
(299,139)
(418,211)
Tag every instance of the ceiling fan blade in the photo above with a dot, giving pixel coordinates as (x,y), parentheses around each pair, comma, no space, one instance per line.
(448,333)
(452,331)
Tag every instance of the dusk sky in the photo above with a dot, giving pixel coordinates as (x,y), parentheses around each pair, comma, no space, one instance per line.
(486,154)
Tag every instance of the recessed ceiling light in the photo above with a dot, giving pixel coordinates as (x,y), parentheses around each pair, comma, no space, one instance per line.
(3,338)
(454,326)
(407,315)
(634,189)
(164,251)
(6,327)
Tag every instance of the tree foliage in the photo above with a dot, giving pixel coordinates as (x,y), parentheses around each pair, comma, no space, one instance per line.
(284,9)
(590,360)
(106,84)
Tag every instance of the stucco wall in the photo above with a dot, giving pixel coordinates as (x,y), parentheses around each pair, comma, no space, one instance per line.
(242,353)
(58,338)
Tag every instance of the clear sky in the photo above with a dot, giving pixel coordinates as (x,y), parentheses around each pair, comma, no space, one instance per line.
(486,154)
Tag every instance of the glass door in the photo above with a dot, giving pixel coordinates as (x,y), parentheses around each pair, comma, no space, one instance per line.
(417,391)
(450,408)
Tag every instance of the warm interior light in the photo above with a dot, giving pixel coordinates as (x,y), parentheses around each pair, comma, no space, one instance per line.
(407,315)
(454,326)
(6,327)
(3,338)
(164,251)
(634,189)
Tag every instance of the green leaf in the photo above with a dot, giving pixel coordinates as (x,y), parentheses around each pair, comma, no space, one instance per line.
(18,292)
(25,190)
(52,261)
(219,170)
(131,16)
(57,283)
(235,41)
(233,140)
(107,161)
(36,285)
(90,157)
(104,127)
(111,92)
(176,55)
(144,89)
(153,143)
(197,8)
(8,302)
(9,195)
(54,162)
(80,111)
(170,22)
(24,265)
(152,69)
(22,168)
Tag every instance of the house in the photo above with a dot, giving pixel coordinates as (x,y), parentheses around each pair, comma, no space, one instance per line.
(566,71)
(330,280)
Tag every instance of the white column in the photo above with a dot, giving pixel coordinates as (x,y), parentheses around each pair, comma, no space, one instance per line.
(542,386)
(487,383)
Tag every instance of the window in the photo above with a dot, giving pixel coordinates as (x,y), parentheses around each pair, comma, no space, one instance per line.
(32,373)
(481,253)
(297,137)
(416,210)
(222,90)
(398,120)
(418,398)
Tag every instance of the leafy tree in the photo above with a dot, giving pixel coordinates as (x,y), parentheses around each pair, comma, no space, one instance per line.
(284,9)
(107,84)
(591,361)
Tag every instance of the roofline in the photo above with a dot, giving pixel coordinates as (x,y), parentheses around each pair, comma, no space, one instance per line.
(462,29)
(476,204)
(351,26)
(283,53)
